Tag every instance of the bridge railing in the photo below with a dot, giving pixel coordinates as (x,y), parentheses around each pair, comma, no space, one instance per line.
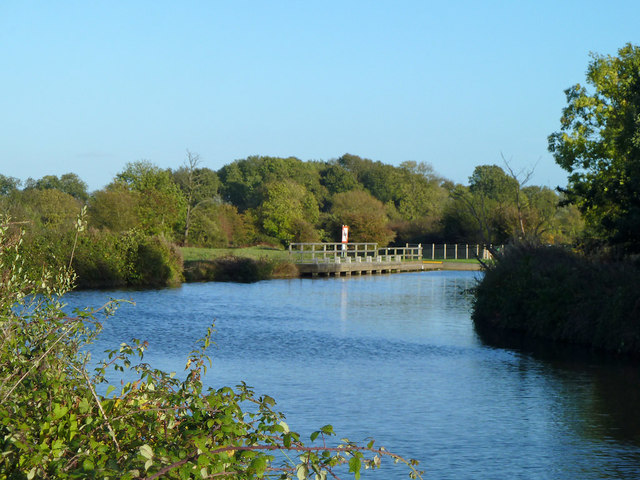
(352,252)
(330,252)
(359,252)
(408,252)
(458,251)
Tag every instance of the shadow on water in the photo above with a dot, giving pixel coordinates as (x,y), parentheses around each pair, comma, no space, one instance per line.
(612,382)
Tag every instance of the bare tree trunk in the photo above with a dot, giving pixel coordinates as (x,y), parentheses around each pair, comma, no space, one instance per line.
(521,183)
(191,164)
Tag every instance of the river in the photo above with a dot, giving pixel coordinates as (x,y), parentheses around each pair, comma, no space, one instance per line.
(396,358)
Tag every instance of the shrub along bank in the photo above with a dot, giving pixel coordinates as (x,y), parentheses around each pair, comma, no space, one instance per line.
(108,260)
(131,259)
(231,268)
(550,293)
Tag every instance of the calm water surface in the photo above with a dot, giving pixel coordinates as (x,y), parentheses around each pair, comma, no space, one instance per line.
(395,357)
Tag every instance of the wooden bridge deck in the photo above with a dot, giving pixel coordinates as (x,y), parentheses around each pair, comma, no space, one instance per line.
(360,268)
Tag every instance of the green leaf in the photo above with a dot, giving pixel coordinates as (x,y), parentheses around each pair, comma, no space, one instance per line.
(258,465)
(110,389)
(146,451)
(88,465)
(285,427)
(302,471)
(327,429)
(59,411)
(354,466)
(84,405)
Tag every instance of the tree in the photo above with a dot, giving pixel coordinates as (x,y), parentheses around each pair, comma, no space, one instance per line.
(365,215)
(189,189)
(162,205)
(199,187)
(8,185)
(487,206)
(48,211)
(68,183)
(419,194)
(337,179)
(114,208)
(289,212)
(492,181)
(243,181)
(599,145)
(217,225)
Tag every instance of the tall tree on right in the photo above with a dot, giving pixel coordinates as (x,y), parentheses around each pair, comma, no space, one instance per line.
(599,145)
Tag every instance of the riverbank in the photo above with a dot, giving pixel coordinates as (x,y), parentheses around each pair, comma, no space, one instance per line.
(263,263)
(553,294)
(114,262)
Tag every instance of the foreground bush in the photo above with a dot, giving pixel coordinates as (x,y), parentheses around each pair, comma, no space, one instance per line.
(55,424)
(548,292)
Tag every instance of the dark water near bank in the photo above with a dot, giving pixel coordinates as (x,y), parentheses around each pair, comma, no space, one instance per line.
(396,358)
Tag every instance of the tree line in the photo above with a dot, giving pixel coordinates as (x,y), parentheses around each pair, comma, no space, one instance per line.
(276,201)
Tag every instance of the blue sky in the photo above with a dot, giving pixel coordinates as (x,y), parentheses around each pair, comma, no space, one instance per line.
(88,86)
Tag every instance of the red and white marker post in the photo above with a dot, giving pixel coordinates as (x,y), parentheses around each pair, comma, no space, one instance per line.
(345,238)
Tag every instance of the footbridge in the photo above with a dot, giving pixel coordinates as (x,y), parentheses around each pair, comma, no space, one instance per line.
(314,259)
(325,259)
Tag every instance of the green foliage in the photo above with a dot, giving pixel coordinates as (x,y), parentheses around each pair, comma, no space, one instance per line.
(103,259)
(48,211)
(219,225)
(54,423)
(243,180)
(114,208)
(336,179)
(130,259)
(365,215)
(161,206)
(156,263)
(381,180)
(199,187)
(289,212)
(599,145)
(68,183)
(477,218)
(496,209)
(8,185)
(230,268)
(203,185)
(419,195)
(492,182)
(551,293)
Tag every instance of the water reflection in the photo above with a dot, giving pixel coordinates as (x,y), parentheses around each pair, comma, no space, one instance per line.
(396,357)
(604,388)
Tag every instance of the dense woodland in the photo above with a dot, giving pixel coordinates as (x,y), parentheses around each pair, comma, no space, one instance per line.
(274,201)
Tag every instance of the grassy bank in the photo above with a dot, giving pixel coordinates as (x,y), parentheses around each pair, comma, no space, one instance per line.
(550,293)
(190,254)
